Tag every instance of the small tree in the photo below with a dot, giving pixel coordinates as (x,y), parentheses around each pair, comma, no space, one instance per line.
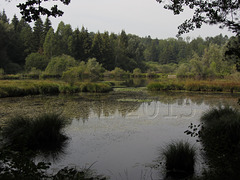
(137,71)
(36,60)
(118,72)
(93,68)
(71,75)
(59,64)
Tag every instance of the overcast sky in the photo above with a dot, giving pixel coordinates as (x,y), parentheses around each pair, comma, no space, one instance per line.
(140,17)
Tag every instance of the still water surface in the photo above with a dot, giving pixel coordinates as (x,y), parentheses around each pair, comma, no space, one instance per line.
(121,133)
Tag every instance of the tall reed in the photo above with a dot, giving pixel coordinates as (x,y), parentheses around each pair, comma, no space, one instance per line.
(45,87)
(191,85)
(42,133)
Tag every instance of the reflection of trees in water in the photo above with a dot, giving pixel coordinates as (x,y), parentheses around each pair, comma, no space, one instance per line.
(83,105)
(111,107)
(212,100)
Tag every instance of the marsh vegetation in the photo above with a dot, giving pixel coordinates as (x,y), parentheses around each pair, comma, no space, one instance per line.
(180,159)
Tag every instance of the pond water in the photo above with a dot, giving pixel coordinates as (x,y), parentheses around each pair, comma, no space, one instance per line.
(120,134)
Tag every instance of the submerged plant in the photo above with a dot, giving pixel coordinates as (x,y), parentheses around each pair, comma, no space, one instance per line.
(179,158)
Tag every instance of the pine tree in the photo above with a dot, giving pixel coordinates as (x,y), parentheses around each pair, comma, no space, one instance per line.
(38,35)
(47,25)
(49,45)
(97,45)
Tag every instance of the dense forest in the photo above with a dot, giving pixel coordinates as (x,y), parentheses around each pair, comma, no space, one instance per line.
(41,49)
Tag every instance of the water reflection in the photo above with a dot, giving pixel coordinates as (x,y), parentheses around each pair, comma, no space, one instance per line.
(120,131)
(108,105)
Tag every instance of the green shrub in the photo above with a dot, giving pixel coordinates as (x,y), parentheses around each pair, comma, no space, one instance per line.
(180,159)
(118,72)
(37,61)
(58,65)
(220,137)
(221,131)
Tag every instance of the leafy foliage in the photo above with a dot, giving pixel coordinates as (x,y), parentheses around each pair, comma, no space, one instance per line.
(225,13)
(36,60)
(220,138)
(205,58)
(232,53)
(58,65)
(32,9)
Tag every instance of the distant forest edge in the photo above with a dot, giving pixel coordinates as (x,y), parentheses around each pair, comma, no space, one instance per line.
(44,52)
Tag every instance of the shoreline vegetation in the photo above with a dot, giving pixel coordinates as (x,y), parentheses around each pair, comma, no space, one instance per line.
(18,88)
(15,88)
(217,85)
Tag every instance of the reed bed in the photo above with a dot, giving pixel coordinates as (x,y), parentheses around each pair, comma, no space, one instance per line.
(191,85)
(15,88)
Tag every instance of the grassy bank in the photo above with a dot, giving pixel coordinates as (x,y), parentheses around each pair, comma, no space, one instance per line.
(191,85)
(14,88)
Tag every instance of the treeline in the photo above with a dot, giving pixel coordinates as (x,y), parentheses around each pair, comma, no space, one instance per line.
(42,49)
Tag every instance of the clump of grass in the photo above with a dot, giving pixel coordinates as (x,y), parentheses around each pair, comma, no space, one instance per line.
(16,132)
(46,132)
(95,87)
(47,88)
(155,86)
(68,89)
(180,159)
(42,133)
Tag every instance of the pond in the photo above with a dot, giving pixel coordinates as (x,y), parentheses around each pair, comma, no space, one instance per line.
(120,134)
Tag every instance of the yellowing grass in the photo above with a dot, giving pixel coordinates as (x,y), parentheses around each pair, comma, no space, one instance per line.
(13,88)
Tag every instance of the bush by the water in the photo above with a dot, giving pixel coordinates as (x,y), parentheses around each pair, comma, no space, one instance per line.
(42,133)
(24,137)
(220,137)
(179,158)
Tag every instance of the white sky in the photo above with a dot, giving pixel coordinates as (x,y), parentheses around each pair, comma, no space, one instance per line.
(140,17)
